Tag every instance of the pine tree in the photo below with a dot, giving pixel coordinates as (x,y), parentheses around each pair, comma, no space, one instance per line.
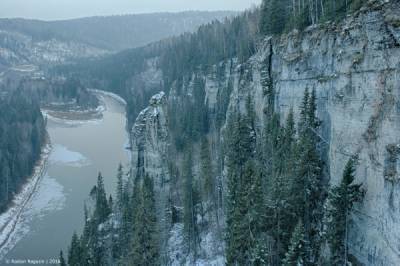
(341,201)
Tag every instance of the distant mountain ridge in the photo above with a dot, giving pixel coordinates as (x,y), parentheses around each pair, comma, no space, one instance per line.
(114,33)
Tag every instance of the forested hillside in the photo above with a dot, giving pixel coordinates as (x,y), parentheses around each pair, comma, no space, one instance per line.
(117,32)
(243,154)
(22,134)
(168,61)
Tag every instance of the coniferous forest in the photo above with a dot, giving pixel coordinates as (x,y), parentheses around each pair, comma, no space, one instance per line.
(278,207)
(22,135)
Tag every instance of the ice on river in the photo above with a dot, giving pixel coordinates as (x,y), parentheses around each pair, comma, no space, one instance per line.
(48,197)
(61,155)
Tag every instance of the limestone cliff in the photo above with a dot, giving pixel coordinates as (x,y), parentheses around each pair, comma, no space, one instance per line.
(354,67)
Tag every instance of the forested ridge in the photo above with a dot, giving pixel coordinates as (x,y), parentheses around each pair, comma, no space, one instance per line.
(22,134)
(279,208)
(118,32)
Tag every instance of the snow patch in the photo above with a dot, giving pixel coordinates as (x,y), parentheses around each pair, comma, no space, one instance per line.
(13,224)
(48,197)
(99,109)
(61,155)
(109,94)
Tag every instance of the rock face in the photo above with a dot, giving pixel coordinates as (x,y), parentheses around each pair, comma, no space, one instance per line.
(149,142)
(355,68)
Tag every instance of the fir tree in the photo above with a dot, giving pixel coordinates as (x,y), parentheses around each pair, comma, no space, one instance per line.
(341,201)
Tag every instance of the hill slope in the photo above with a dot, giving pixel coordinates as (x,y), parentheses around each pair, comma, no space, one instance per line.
(114,33)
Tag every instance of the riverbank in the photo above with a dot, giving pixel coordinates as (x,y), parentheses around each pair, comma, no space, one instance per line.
(10,218)
(78,115)
(46,223)
(74,116)
(109,94)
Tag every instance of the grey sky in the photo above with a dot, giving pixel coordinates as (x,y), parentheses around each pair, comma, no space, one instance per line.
(64,9)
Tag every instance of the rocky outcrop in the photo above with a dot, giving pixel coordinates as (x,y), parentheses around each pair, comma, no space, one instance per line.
(149,142)
(354,66)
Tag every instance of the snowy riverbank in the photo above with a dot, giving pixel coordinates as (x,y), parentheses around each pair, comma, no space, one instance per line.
(109,94)
(10,219)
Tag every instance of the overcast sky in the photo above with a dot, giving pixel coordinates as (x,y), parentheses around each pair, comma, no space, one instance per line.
(65,9)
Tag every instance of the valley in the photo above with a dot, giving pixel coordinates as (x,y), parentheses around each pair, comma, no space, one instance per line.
(265,137)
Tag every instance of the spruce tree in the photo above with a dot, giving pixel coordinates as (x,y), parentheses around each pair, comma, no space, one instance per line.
(145,246)
(74,251)
(189,208)
(102,210)
(341,201)
(207,174)
(137,250)
(62,260)
(151,245)
(127,215)
(120,188)
(240,147)
(309,183)
(288,155)
(296,254)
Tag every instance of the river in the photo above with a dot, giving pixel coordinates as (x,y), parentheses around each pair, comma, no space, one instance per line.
(80,149)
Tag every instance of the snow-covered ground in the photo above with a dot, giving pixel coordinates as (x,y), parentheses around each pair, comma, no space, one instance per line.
(43,194)
(110,94)
(73,122)
(177,248)
(13,222)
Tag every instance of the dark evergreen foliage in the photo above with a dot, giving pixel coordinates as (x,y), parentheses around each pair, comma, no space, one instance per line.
(22,135)
(62,260)
(276,188)
(341,201)
(278,16)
